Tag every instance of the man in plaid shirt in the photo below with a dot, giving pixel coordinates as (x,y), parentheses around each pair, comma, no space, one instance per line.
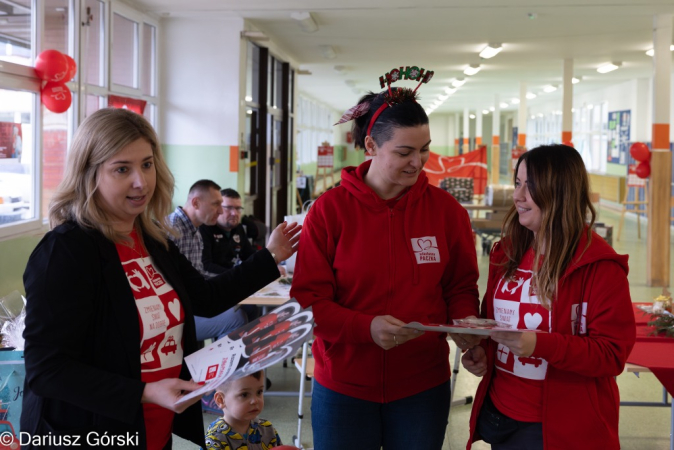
(204,205)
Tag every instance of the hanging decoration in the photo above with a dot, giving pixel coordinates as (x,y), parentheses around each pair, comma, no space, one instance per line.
(640,152)
(55,69)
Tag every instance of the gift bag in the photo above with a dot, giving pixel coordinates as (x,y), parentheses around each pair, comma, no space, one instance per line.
(12,375)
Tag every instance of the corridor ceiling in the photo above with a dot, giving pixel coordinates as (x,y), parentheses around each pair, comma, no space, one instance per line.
(371,37)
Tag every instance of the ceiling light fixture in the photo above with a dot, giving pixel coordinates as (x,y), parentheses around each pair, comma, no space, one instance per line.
(340,69)
(490,51)
(651,52)
(450,90)
(458,82)
(531,95)
(515,101)
(485,111)
(472,69)
(254,35)
(443,97)
(610,67)
(576,80)
(491,108)
(504,105)
(305,21)
(472,116)
(327,51)
(549,88)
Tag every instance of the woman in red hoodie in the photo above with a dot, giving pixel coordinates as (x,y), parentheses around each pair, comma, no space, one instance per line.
(553,387)
(381,250)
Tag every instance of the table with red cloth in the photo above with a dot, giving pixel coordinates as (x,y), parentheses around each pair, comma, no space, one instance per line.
(655,353)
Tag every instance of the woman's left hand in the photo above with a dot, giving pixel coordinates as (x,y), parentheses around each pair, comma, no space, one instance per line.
(519,343)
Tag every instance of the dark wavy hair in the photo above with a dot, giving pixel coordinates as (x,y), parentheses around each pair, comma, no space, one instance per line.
(401,115)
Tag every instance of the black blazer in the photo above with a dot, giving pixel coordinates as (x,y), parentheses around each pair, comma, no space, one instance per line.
(82,336)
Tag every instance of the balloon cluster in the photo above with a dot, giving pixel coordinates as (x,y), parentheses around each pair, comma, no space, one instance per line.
(56,69)
(641,153)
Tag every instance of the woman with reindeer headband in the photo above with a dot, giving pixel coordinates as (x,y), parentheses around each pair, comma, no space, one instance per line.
(383,249)
(552,387)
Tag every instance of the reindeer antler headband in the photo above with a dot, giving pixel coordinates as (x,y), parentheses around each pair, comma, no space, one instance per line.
(392,97)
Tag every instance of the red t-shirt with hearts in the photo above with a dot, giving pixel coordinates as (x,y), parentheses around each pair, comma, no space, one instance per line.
(161,319)
(517,386)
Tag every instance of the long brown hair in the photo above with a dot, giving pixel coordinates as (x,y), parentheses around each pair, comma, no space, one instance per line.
(559,185)
(101,136)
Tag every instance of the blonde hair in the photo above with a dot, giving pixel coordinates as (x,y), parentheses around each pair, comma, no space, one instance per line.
(558,183)
(101,136)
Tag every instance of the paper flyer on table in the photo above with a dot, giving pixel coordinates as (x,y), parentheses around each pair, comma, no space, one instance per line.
(255,346)
(462,329)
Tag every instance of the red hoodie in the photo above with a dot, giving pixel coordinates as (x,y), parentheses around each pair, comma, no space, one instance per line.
(360,258)
(580,393)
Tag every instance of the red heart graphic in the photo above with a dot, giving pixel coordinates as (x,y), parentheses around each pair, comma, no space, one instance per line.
(424,243)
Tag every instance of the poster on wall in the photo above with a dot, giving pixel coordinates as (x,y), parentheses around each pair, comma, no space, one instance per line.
(618,136)
(326,155)
(10,141)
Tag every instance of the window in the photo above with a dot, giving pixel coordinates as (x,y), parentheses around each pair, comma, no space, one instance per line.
(92,68)
(15,32)
(124,60)
(314,126)
(19,167)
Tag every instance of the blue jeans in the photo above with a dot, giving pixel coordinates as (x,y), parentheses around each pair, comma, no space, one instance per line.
(220,325)
(417,422)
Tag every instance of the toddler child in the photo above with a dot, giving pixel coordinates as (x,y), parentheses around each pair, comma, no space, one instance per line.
(241,401)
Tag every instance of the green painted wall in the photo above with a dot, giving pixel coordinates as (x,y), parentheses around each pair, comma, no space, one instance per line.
(15,253)
(190,163)
(616,169)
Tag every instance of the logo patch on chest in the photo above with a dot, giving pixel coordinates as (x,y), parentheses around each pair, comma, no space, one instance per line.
(426,249)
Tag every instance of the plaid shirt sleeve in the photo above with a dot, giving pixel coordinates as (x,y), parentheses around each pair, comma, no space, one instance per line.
(190,242)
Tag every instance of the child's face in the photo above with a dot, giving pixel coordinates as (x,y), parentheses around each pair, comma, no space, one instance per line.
(244,399)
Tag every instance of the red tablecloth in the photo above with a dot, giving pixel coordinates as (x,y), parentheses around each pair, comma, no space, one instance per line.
(654,352)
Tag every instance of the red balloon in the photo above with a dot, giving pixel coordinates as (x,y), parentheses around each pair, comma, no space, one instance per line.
(56,97)
(51,65)
(72,68)
(568,144)
(640,152)
(643,170)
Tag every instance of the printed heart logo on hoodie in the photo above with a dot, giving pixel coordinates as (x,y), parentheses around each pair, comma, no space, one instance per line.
(532,321)
(425,244)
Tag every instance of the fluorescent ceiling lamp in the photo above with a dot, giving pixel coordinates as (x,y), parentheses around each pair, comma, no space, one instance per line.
(610,67)
(305,21)
(254,35)
(327,51)
(472,69)
(450,90)
(485,111)
(651,52)
(549,88)
(540,114)
(504,105)
(491,108)
(458,82)
(531,95)
(533,117)
(576,80)
(490,51)
(515,101)
(443,97)
(590,106)
(472,116)
(248,98)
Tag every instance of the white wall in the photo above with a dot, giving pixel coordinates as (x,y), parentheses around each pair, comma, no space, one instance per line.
(200,76)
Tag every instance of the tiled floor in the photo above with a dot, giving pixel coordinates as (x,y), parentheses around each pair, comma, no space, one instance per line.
(641,428)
